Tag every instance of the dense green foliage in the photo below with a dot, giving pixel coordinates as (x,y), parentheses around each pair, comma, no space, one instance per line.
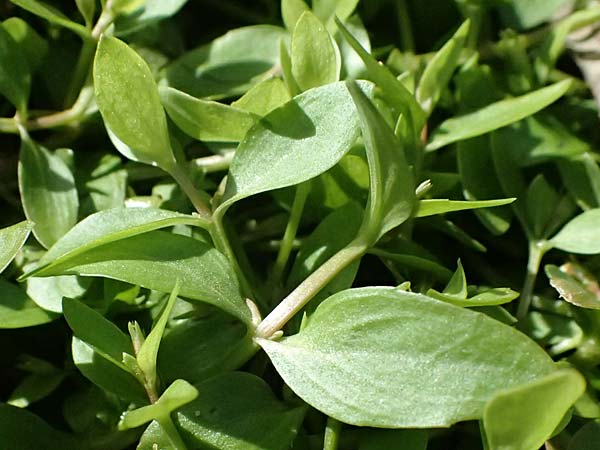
(271,225)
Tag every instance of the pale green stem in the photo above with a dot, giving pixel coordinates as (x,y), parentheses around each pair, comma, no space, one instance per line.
(537,249)
(166,423)
(287,242)
(306,290)
(213,163)
(190,190)
(332,434)
(82,69)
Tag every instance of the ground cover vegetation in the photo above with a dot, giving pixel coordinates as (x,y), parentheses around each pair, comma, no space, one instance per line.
(273,225)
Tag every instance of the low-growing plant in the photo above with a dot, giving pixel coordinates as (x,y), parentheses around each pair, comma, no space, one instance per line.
(263,242)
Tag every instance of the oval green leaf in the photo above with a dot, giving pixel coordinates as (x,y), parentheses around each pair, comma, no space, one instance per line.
(206,120)
(128,100)
(15,74)
(524,417)
(294,143)
(388,358)
(315,59)
(580,235)
(48,192)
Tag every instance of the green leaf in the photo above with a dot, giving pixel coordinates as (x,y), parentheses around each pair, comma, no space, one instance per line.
(572,289)
(148,351)
(430,207)
(105,227)
(17,310)
(264,97)
(353,66)
(397,95)
(315,58)
(105,374)
(392,189)
(233,411)
(178,394)
(367,358)
(541,202)
(11,240)
(48,192)
(230,64)
(124,7)
(440,68)
(128,100)
(581,177)
(42,380)
(49,292)
(586,438)
(291,10)
(23,430)
(206,120)
(328,10)
(87,8)
(496,115)
(53,15)
(580,235)
(148,13)
(199,349)
(530,13)
(156,259)
(28,41)
(98,332)
(374,439)
(15,75)
(294,143)
(525,416)
(457,286)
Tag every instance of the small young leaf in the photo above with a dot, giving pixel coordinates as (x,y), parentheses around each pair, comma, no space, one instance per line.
(109,226)
(439,70)
(580,235)
(315,58)
(53,15)
(11,240)
(328,10)
(17,310)
(366,358)
(124,7)
(233,411)
(392,190)
(229,65)
(294,143)
(154,260)
(496,115)
(148,352)
(541,202)
(15,75)
(206,120)
(291,10)
(48,192)
(87,8)
(430,207)
(128,100)
(178,394)
(457,286)
(264,97)
(525,416)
